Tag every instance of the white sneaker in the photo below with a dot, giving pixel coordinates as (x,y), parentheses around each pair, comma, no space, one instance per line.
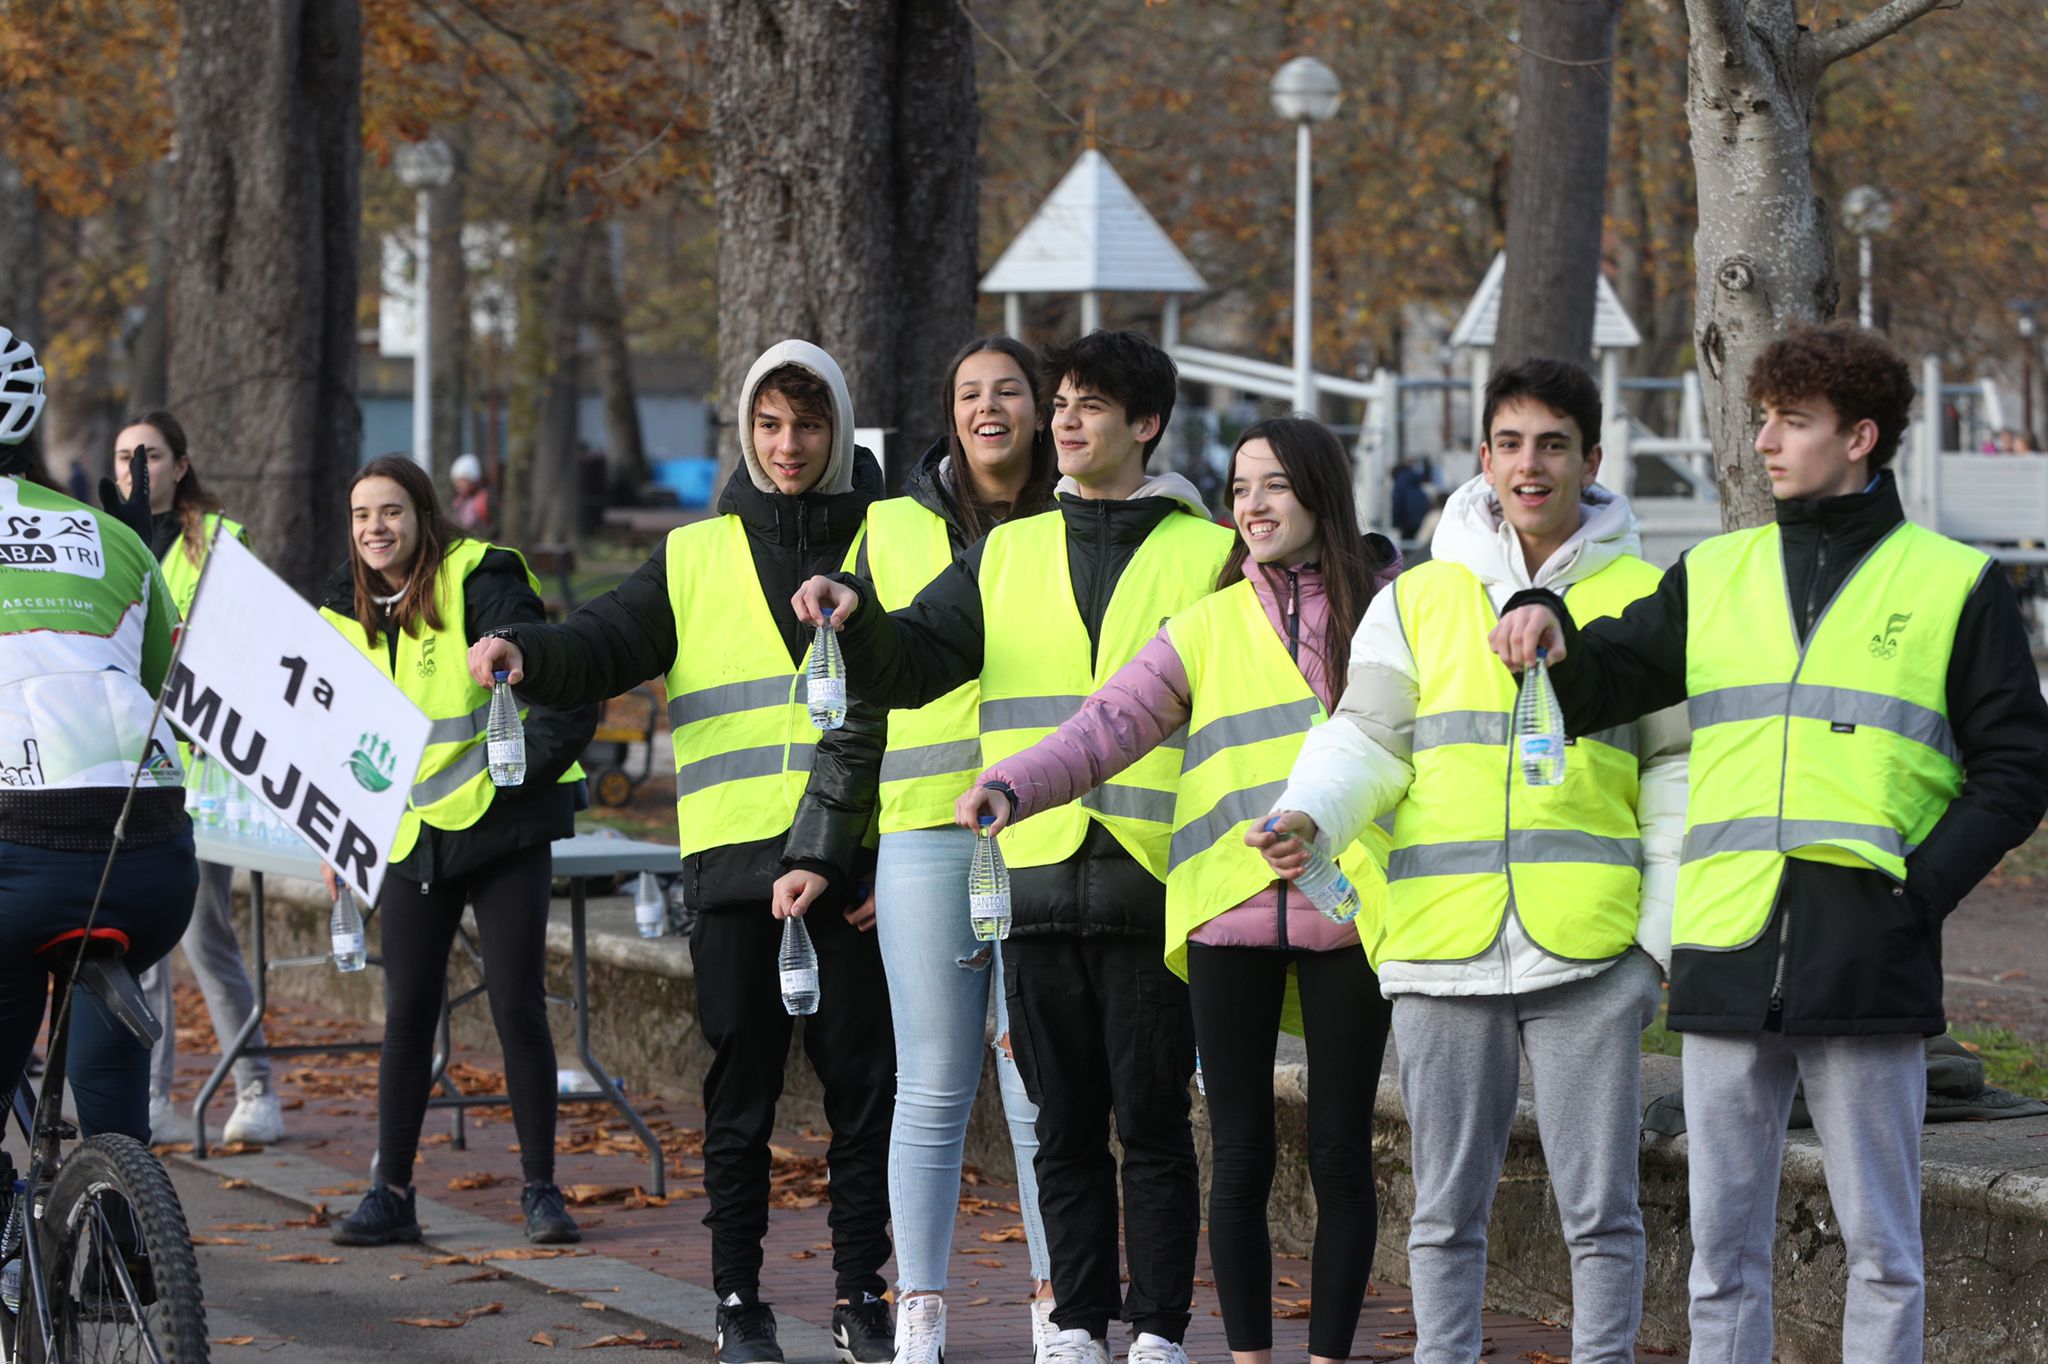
(1042,1329)
(160,1116)
(1151,1349)
(1074,1347)
(921,1329)
(258,1117)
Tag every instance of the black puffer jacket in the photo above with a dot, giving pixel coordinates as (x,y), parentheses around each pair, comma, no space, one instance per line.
(496,595)
(913,656)
(629,635)
(1862,955)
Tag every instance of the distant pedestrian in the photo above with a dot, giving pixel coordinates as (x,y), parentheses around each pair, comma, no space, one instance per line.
(470,507)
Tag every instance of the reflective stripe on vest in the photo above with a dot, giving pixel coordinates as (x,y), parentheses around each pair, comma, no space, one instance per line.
(1838,750)
(1250,709)
(1471,838)
(1036,670)
(741,731)
(452,788)
(934,751)
(181,575)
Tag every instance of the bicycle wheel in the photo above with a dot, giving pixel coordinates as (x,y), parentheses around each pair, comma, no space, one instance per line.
(118,1267)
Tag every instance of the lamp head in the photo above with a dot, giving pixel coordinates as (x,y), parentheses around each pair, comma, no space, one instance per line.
(1305,91)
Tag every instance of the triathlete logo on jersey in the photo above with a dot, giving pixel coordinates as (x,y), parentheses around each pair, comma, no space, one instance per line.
(48,541)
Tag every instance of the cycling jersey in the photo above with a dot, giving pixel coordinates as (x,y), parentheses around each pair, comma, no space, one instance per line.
(85,642)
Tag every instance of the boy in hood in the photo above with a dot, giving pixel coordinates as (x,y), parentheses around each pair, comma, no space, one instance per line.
(710,612)
(1872,738)
(1043,611)
(1525,921)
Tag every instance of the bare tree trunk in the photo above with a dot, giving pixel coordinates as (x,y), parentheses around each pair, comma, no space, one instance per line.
(447,314)
(268,207)
(845,176)
(540,493)
(607,320)
(1764,254)
(149,347)
(1557,187)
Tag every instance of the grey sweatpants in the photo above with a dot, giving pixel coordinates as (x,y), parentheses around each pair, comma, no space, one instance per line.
(1460,1074)
(1868,1097)
(216,957)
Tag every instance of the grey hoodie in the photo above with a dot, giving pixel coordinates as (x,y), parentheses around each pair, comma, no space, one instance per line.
(838,476)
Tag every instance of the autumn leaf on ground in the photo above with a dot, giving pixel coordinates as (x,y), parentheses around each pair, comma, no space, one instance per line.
(1286,1282)
(1001,1234)
(305,1258)
(1545,1357)
(232,1340)
(525,1253)
(433,1323)
(243,1226)
(481,1276)
(481,1179)
(541,1338)
(803,1255)
(319,1217)
(199,1239)
(980,1302)
(234,1184)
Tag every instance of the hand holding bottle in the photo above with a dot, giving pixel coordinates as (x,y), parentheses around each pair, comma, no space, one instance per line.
(793,893)
(1284,838)
(493,655)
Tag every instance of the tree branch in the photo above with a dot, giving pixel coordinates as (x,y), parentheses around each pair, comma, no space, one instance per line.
(1848,39)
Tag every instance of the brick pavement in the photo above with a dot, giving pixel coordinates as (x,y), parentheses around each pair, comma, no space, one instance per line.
(331,1118)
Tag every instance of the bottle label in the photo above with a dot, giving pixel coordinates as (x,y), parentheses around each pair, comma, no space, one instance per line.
(1538,747)
(802,981)
(506,752)
(987,906)
(348,944)
(827,691)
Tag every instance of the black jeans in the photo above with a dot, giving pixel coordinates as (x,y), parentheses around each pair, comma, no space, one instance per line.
(1237,995)
(1099,1026)
(418,924)
(853,1051)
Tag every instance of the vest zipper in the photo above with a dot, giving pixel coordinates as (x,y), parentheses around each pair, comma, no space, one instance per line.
(1784,953)
(1292,606)
(1095,581)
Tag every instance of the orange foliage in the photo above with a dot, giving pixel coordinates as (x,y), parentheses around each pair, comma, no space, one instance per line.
(85,86)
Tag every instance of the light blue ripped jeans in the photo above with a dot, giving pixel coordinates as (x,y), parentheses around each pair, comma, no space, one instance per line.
(940,983)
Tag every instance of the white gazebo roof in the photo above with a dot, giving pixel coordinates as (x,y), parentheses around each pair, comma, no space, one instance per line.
(1092,235)
(1612,327)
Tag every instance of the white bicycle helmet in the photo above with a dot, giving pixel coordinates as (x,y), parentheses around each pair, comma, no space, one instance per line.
(21,388)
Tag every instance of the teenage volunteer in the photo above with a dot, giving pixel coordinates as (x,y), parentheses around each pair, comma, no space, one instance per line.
(994,465)
(1042,612)
(183,519)
(711,610)
(1869,739)
(412,596)
(1247,671)
(85,645)
(1524,921)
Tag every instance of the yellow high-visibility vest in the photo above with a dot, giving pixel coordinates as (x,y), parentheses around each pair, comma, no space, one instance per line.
(1250,709)
(1838,751)
(1471,836)
(934,750)
(740,726)
(181,573)
(1037,669)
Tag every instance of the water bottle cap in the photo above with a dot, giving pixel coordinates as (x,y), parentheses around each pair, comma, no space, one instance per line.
(987,820)
(828,615)
(1541,653)
(500,674)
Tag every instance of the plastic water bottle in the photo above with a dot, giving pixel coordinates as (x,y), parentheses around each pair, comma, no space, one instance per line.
(505,738)
(210,812)
(1201,1085)
(650,915)
(346,929)
(1539,727)
(826,690)
(1325,884)
(988,887)
(237,809)
(799,965)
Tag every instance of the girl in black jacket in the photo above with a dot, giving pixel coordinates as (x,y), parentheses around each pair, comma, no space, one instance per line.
(400,582)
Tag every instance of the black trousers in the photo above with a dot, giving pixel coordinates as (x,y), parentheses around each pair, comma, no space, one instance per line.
(1100,1026)
(853,1051)
(418,925)
(1237,994)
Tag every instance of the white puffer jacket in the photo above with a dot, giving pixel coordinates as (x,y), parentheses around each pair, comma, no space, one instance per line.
(1356,766)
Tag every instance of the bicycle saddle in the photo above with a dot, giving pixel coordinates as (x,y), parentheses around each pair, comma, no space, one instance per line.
(104,971)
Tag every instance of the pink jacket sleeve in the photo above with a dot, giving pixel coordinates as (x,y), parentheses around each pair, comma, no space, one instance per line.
(1128,717)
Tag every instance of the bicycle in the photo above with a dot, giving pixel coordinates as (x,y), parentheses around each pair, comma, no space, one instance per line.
(109,1274)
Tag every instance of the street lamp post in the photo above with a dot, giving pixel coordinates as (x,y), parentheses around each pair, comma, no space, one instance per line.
(1867,213)
(422,167)
(1305,92)
(2027,325)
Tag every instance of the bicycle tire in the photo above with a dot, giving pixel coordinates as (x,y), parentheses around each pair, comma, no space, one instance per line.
(104,1327)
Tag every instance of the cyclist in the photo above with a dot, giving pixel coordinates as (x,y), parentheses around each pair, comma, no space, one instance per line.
(85,644)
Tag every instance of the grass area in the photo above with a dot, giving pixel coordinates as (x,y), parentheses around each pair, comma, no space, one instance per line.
(654,826)
(1659,1040)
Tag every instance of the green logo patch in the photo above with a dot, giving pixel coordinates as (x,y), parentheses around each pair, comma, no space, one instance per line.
(372,763)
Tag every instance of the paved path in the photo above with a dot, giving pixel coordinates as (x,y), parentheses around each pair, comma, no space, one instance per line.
(646,1262)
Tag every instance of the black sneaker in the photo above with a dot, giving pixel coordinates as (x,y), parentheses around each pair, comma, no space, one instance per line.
(381,1218)
(863,1332)
(746,1334)
(547,1216)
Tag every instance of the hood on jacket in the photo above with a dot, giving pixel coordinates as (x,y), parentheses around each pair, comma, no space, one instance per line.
(838,475)
(1473,533)
(1169,485)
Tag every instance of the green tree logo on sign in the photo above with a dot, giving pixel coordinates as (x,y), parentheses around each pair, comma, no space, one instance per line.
(371,763)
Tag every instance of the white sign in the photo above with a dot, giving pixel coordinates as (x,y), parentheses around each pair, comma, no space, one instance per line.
(266,686)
